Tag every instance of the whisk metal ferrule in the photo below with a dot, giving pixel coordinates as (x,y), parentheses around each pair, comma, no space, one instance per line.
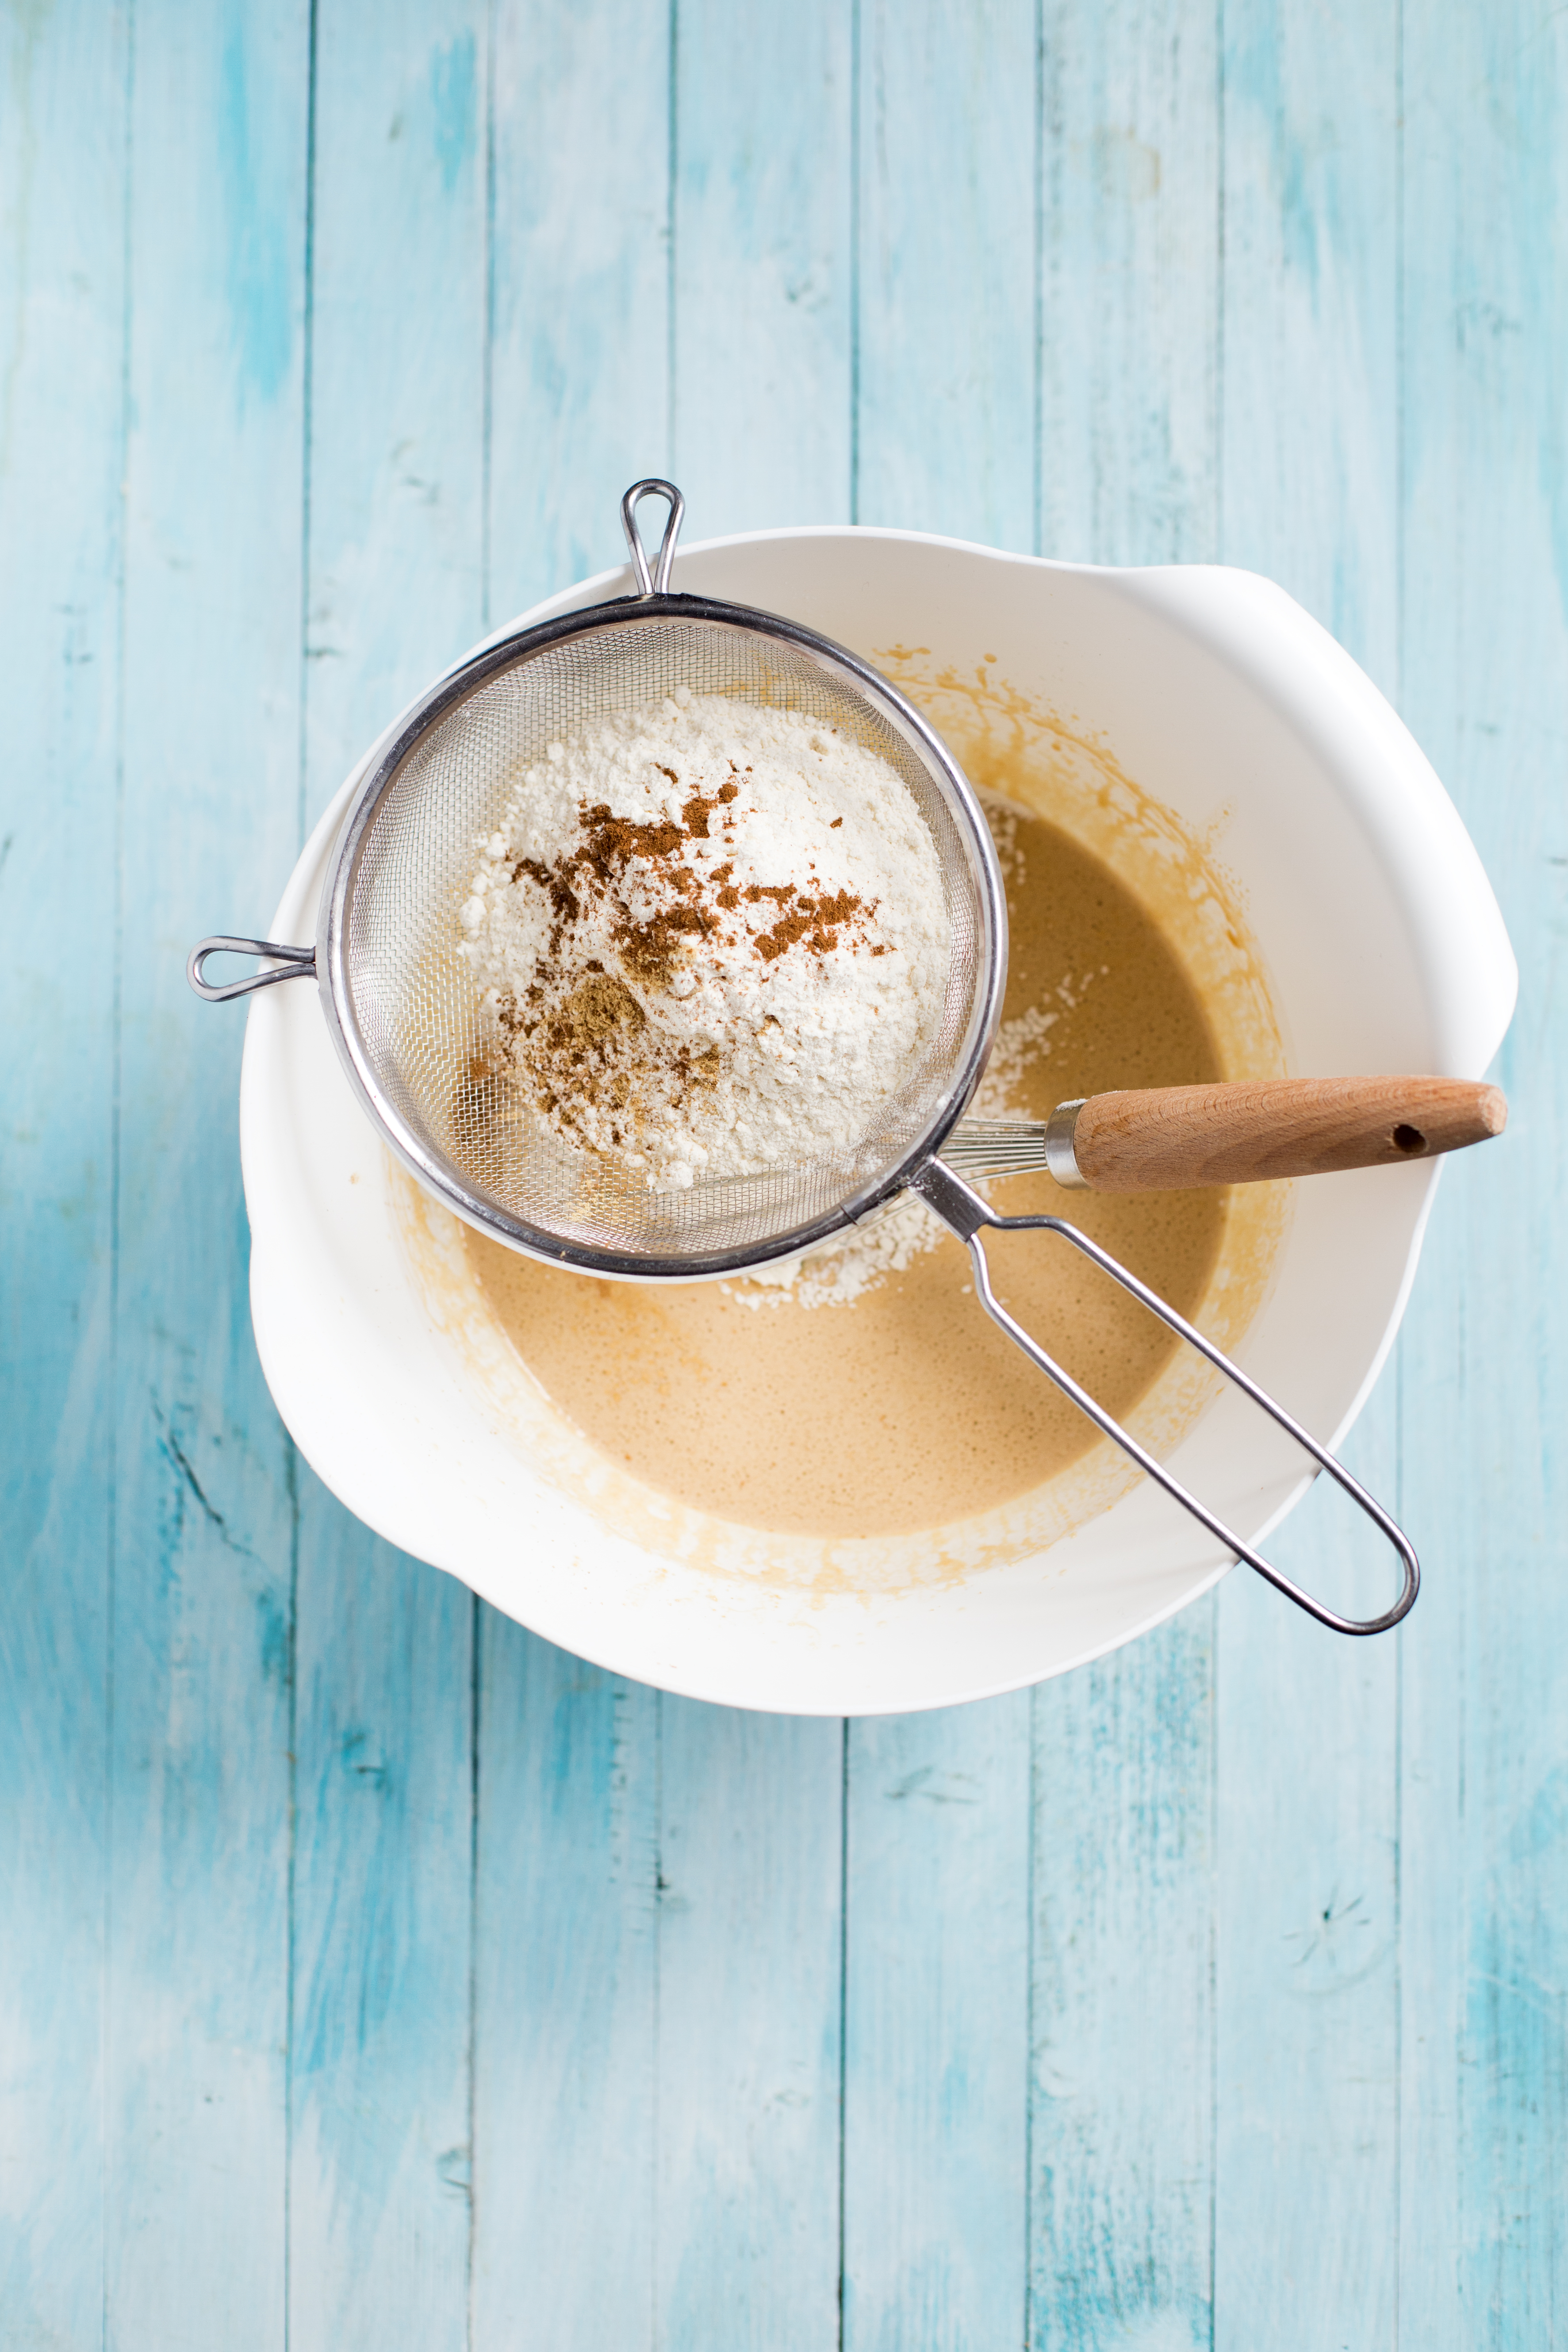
(1061,1154)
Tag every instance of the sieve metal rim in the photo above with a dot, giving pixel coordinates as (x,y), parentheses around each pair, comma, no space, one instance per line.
(444,697)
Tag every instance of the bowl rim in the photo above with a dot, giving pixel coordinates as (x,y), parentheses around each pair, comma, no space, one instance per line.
(1241,604)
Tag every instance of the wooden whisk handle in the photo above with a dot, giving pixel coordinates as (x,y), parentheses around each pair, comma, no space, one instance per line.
(1169,1138)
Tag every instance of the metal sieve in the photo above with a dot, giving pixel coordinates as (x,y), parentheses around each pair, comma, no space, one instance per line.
(421,1048)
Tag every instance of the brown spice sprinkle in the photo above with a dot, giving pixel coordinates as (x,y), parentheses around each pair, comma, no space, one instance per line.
(650,948)
(597,1006)
(577,1053)
(809,920)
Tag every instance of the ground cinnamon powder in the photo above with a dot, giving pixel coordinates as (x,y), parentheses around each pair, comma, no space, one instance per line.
(767,893)
(581,1050)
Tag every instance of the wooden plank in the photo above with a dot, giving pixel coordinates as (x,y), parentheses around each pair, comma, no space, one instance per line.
(1130,283)
(936,2023)
(379,2160)
(1122,2125)
(398,358)
(1484,2126)
(566,2001)
(750,1940)
(565,1955)
(1307,2187)
(1309,390)
(1121,2115)
(62,201)
(382,1897)
(197,2016)
(946,349)
(581,353)
(763,265)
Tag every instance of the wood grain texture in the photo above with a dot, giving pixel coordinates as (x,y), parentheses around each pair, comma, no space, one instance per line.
(945,342)
(381,2028)
(1307,2189)
(63,124)
(1121,2127)
(198,1950)
(580,284)
(763,265)
(1308,389)
(1306,1937)
(379,2170)
(1162,1138)
(1484,2110)
(749,1942)
(936,2028)
(1129,313)
(566,2001)
(398,367)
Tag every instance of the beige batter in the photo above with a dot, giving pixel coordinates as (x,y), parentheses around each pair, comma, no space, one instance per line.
(906,1409)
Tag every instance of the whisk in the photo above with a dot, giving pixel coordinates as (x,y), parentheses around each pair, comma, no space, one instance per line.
(1168,1139)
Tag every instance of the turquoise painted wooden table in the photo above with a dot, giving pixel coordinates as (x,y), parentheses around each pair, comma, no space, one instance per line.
(375,1975)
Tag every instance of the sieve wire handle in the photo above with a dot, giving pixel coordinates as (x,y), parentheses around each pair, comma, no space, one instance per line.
(292,963)
(965,1213)
(654,583)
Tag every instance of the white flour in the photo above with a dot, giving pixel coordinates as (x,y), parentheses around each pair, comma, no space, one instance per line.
(714,937)
(842,1271)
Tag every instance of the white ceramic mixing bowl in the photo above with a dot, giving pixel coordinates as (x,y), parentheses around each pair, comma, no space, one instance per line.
(1384,950)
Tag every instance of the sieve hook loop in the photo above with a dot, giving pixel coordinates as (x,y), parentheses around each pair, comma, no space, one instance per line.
(963,1212)
(654,583)
(292,963)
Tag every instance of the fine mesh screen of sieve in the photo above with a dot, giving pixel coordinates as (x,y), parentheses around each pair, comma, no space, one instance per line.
(423,1041)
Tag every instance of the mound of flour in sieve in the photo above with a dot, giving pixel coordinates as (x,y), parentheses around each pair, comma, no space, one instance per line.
(714,937)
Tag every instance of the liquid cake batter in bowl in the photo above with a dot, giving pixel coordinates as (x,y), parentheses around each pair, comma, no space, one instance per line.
(1226,858)
(865,1397)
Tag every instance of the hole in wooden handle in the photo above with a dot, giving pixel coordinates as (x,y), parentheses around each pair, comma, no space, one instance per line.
(1410,1139)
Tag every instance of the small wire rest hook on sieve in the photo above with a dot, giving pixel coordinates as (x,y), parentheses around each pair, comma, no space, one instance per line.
(291,963)
(965,1213)
(654,582)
